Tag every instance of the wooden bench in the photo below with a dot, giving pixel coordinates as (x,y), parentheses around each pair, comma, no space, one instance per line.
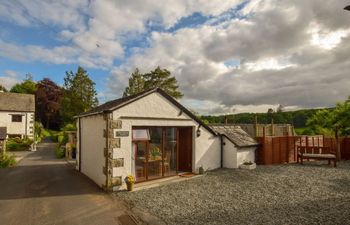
(318,153)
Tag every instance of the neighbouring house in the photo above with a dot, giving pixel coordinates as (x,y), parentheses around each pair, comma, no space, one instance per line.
(3,136)
(151,135)
(17,113)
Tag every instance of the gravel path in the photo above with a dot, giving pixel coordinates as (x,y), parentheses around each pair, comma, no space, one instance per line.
(283,194)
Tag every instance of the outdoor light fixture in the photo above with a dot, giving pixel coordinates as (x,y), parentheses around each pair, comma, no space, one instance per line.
(199,131)
(347,7)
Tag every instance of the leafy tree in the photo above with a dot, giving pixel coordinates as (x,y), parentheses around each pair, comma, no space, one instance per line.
(332,122)
(280,108)
(2,88)
(157,78)
(28,86)
(79,94)
(162,78)
(136,84)
(321,122)
(47,99)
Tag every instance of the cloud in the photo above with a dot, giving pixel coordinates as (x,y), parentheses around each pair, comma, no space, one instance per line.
(9,79)
(281,63)
(248,55)
(96,31)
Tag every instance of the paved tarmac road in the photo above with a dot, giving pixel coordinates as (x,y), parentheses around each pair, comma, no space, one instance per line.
(45,190)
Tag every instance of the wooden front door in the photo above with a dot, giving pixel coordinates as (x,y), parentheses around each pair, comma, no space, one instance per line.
(185,149)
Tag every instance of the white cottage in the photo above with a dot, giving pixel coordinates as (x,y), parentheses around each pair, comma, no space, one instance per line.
(17,113)
(149,135)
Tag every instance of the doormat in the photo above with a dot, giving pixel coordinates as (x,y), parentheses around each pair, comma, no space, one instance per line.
(127,220)
(187,175)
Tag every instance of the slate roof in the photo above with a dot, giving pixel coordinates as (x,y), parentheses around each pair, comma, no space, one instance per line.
(120,102)
(111,105)
(17,102)
(3,133)
(235,134)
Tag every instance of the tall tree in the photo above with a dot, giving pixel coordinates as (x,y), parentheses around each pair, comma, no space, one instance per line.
(162,78)
(136,84)
(28,86)
(332,122)
(2,88)
(79,94)
(47,99)
(157,78)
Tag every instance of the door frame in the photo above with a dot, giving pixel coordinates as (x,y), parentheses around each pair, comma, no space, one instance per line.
(162,150)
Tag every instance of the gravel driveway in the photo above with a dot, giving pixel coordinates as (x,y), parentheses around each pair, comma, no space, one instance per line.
(282,194)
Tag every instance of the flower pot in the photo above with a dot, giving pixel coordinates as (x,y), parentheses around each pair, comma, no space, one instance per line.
(201,170)
(130,186)
(248,167)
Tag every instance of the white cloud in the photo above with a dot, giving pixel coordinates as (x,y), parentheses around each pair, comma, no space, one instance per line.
(293,53)
(278,63)
(97,30)
(9,79)
(327,39)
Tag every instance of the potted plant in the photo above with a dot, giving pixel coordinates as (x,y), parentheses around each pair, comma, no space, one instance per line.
(248,165)
(201,170)
(130,180)
(155,153)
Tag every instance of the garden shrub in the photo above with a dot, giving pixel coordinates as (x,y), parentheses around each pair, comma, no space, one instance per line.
(18,144)
(69,127)
(7,160)
(40,132)
(63,139)
(54,135)
(59,152)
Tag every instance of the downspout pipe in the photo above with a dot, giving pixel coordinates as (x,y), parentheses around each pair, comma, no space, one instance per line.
(79,127)
(222,143)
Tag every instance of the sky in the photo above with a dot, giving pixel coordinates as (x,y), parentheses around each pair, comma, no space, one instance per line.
(229,56)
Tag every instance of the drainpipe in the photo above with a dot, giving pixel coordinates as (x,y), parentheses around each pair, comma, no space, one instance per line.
(222,143)
(79,127)
(26,127)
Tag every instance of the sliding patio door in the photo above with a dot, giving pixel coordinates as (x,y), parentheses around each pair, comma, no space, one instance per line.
(156,152)
(170,151)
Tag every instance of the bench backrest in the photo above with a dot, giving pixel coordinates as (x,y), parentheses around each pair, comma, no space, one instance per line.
(314,150)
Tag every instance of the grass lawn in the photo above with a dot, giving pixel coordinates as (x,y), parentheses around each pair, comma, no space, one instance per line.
(283,194)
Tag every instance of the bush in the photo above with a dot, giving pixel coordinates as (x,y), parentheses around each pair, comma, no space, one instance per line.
(62,139)
(54,135)
(40,132)
(17,144)
(69,127)
(59,152)
(7,160)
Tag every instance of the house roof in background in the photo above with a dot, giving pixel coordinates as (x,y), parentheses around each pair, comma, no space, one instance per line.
(17,102)
(3,133)
(120,102)
(235,134)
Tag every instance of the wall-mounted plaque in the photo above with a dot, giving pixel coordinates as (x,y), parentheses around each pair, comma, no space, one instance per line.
(121,133)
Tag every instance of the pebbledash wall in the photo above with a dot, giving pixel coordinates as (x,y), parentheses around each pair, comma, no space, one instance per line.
(24,128)
(107,158)
(233,156)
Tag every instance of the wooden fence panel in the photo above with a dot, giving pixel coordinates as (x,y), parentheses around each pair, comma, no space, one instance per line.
(345,148)
(278,150)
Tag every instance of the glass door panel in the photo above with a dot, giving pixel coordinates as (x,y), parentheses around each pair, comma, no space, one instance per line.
(170,151)
(155,158)
(140,160)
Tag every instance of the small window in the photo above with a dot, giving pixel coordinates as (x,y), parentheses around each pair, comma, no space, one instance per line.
(16,118)
(140,135)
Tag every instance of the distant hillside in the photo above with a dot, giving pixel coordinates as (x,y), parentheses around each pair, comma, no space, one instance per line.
(297,118)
